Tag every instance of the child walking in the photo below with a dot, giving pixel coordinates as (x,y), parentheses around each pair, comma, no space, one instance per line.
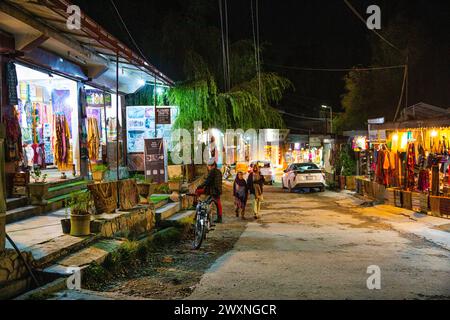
(240,193)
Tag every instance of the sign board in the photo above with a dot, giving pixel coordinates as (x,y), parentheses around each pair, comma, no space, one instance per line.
(377,135)
(154,162)
(315,142)
(163,116)
(376,121)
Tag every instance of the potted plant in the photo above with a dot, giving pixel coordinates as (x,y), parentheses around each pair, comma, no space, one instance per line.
(80,216)
(98,172)
(39,189)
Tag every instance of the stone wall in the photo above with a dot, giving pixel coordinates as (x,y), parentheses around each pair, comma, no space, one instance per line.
(12,267)
(137,221)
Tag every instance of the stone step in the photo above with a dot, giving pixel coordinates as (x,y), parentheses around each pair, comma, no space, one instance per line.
(49,252)
(21,213)
(14,203)
(167,211)
(66,189)
(180,218)
(96,252)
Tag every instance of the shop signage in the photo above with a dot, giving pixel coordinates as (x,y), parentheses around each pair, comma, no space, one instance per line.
(376,121)
(315,142)
(377,135)
(163,116)
(155,167)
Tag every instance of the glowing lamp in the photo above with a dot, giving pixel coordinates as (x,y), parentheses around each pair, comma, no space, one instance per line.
(434,133)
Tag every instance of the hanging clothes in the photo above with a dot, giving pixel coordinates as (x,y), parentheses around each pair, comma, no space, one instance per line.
(11,83)
(14,151)
(410,165)
(61,143)
(93,139)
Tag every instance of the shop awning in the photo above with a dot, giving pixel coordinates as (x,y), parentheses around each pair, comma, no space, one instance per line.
(42,24)
(414,124)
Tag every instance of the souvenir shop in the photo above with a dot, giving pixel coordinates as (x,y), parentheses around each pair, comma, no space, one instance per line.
(50,132)
(414,165)
(47,113)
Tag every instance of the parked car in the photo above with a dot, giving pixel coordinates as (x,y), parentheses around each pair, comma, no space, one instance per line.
(303,175)
(266,170)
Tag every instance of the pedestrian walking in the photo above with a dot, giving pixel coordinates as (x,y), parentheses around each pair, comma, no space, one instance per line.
(240,193)
(255,184)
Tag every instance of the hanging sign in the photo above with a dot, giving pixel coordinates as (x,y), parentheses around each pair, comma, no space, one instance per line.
(154,162)
(376,121)
(163,116)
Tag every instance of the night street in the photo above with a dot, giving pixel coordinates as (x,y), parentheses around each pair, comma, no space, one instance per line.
(225,157)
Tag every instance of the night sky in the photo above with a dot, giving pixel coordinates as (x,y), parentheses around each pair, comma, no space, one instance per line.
(303,33)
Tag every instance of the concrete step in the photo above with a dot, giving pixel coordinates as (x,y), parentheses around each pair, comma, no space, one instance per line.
(47,253)
(167,211)
(180,218)
(61,190)
(96,252)
(14,203)
(21,213)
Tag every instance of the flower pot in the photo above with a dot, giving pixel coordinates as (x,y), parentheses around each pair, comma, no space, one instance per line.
(80,225)
(38,192)
(65,224)
(98,176)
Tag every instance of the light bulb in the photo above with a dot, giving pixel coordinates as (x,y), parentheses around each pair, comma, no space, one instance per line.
(434,133)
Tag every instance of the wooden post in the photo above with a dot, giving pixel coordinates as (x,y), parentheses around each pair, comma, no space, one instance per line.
(2,189)
(2,156)
(117,129)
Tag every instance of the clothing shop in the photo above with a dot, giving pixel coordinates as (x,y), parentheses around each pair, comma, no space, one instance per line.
(411,161)
(47,113)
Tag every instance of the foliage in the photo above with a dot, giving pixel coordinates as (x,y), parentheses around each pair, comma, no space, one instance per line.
(202,96)
(347,162)
(99,167)
(145,97)
(162,189)
(79,202)
(37,175)
(200,100)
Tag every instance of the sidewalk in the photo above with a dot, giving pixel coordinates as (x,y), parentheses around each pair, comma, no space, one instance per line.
(433,229)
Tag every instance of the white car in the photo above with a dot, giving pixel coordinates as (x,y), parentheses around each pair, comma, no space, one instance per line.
(266,170)
(303,175)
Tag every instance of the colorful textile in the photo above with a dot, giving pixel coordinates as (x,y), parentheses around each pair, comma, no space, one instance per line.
(61,143)
(410,164)
(93,139)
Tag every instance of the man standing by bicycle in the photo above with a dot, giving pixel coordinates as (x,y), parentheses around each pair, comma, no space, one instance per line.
(213,186)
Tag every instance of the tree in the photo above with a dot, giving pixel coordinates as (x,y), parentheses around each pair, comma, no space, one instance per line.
(372,94)
(202,95)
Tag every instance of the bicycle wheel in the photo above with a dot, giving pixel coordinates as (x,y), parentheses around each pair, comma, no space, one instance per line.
(199,233)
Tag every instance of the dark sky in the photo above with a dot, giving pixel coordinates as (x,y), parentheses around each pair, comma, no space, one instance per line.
(304,33)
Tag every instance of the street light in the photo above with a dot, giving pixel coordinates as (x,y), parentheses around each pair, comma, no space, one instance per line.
(331,116)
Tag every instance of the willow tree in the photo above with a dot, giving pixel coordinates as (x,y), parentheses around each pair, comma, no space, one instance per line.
(248,104)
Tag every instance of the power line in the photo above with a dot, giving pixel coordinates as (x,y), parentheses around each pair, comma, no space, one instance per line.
(365,23)
(128,31)
(401,66)
(301,117)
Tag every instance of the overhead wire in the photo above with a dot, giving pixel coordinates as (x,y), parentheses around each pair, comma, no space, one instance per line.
(401,66)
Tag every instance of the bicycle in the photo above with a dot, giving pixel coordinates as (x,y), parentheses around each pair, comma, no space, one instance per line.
(203,223)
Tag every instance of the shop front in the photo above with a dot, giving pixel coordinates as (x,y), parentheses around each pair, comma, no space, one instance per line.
(412,162)
(47,114)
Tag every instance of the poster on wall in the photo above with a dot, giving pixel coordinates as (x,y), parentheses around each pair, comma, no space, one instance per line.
(154,163)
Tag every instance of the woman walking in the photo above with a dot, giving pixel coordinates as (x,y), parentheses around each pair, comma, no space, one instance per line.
(240,193)
(255,184)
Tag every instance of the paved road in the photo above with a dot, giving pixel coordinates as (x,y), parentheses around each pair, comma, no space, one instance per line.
(319,246)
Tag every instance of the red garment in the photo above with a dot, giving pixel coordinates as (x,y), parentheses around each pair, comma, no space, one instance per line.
(199,192)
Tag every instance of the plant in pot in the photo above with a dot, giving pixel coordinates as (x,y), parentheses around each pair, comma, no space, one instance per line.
(98,172)
(80,216)
(38,189)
